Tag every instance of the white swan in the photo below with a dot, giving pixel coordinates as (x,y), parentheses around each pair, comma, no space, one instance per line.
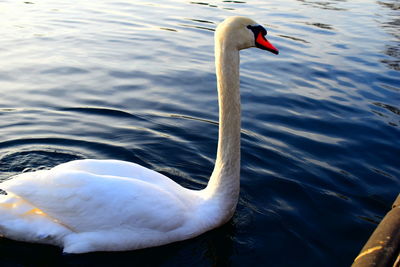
(110,205)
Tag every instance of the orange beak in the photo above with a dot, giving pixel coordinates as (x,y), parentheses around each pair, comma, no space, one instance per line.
(263,43)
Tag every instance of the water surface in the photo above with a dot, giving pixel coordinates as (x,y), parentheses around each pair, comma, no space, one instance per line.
(134,80)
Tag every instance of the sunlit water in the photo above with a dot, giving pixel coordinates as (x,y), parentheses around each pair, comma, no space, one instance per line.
(134,80)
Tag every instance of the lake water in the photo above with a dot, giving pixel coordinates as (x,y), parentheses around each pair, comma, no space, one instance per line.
(134,80)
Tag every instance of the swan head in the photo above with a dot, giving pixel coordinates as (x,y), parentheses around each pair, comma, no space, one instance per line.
(241,33)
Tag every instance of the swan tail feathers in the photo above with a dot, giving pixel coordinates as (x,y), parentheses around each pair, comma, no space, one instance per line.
(19,220)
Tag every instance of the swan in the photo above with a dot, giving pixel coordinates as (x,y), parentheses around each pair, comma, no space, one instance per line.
(110,205)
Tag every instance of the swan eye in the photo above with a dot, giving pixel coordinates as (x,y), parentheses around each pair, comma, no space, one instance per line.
(256,29)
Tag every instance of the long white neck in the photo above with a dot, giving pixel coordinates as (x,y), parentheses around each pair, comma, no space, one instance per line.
(224,183)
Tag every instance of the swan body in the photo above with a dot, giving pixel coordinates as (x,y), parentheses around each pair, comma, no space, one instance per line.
(109,205)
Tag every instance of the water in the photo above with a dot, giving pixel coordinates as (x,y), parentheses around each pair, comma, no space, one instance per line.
(134,80)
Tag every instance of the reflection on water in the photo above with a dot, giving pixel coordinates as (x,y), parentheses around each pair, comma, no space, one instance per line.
(320,25)
(134,80)
(293,38)
(328,5)
(393,27)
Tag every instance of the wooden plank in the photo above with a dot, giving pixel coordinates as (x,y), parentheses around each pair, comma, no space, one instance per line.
(383,247)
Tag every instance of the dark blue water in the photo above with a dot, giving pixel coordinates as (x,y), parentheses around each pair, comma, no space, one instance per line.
(135,81)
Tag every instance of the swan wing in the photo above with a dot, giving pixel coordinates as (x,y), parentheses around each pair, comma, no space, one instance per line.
(117,168)
(87,202)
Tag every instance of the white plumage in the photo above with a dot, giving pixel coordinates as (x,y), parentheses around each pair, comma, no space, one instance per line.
(108,205)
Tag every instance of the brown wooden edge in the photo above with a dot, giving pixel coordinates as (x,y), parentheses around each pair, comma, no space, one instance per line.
(383,247)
